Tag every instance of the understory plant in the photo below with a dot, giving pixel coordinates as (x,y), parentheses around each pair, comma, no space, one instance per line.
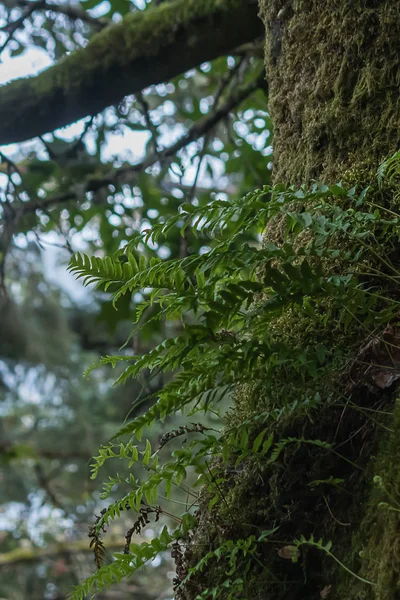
(274,318)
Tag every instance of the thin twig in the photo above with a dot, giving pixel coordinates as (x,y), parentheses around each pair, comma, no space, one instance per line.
(144,105)
(45,484)
(227,79)
(13,27)
(72,12)
(199,129)
(74,147)
(333,516)
(183,245)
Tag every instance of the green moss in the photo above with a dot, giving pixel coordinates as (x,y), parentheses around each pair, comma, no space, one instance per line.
(312,491)
(376,544)
(333,72)
(139,34)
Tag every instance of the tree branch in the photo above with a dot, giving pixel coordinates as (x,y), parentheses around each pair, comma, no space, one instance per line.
(13,27)
(72,12)
(45,484)
(198,130)
(63,548)
(21,451)
(146,47)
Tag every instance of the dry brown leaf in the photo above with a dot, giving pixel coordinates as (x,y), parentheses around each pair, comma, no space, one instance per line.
(326,591)
(377,364)
(289,553)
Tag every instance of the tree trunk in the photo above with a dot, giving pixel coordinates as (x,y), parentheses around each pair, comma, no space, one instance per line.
(334,74)
(333,70)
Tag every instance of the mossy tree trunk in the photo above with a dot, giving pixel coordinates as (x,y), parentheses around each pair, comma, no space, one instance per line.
(333,70)
(334,75)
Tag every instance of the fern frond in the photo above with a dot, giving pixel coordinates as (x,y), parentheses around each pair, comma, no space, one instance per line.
(102,271)
(389,169)
(231,302)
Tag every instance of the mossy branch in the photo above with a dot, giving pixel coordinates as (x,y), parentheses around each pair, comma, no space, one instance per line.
(145,48)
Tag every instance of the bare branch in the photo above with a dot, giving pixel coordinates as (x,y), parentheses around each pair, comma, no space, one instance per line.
(13,27)
(45,484)
(145,108)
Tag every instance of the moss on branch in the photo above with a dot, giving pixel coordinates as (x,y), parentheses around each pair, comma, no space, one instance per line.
(145,48)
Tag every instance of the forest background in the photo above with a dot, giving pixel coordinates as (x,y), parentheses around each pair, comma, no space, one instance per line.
(202,135)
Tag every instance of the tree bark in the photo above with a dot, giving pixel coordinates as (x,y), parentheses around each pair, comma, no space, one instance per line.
(145,48)
(333,72)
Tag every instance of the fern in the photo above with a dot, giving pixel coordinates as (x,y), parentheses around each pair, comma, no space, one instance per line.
(230,339)
(233,553)
(124,565)
(326,548)
(389,169)
(279,447)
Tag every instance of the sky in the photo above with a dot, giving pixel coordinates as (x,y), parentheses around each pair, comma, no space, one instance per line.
(31,62)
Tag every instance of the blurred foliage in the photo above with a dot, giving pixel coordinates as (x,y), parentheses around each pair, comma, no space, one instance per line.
(93,187)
